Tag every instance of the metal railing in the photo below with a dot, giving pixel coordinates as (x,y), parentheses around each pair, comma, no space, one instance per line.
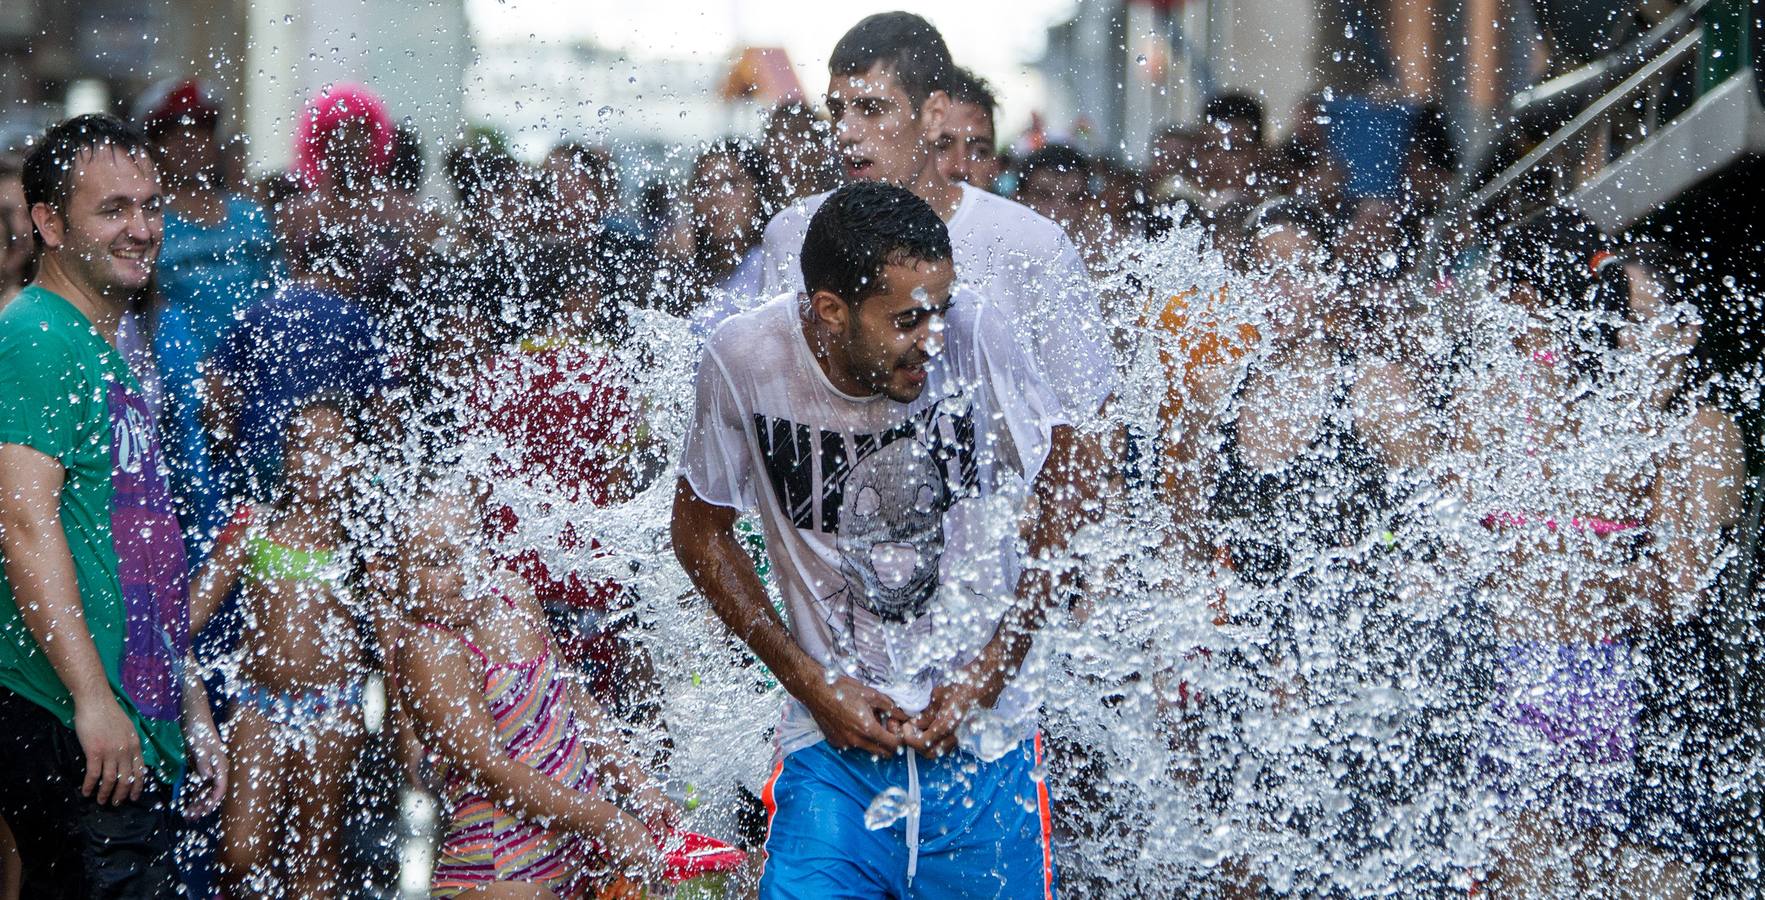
(1676,53)
(1635,66)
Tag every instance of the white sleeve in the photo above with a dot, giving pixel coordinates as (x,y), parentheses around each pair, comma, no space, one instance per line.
(1070,347)
(1025,408)
(714,459)
(781,246)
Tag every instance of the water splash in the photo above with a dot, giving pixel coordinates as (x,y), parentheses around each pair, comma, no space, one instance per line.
(1314,735)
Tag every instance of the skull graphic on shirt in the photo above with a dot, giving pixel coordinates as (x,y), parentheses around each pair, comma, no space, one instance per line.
(891,530)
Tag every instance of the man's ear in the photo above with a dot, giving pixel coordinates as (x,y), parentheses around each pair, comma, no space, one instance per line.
(49,224)
(831,311)
(932,115)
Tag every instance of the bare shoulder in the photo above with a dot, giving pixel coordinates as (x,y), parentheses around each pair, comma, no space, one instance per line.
(438,653)
(519,592)
(1712,440)
(29,467)
(1380,374)
(1712,426)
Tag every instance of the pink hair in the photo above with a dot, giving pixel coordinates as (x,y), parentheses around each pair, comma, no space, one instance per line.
(331,109)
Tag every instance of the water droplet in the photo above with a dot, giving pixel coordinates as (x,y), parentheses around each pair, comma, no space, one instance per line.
(887,808)
(987,735)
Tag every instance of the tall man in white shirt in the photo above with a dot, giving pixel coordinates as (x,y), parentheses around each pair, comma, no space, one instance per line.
(887,429)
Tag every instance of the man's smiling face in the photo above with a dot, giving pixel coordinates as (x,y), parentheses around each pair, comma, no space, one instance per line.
(893,334)
(110,233)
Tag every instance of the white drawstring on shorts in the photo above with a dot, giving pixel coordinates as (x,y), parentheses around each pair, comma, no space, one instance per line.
(912,816)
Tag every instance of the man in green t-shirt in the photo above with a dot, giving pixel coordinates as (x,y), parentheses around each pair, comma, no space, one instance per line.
(100,707)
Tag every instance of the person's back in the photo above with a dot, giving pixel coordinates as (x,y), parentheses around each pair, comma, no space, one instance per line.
(303,342)
(564,426)
(215,271)
(209,275)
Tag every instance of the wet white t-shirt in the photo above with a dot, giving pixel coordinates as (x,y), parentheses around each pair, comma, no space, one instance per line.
(892,527)
(1019,260)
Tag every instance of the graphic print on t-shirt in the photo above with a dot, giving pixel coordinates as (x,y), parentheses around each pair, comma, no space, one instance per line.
(883,497)
(151,568)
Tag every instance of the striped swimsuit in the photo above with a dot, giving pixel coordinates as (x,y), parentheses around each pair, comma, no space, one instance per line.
(530,705)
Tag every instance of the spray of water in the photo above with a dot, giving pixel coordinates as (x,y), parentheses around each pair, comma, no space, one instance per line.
(1317,726)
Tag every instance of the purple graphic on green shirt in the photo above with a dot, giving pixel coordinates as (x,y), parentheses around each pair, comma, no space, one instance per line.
(151,566)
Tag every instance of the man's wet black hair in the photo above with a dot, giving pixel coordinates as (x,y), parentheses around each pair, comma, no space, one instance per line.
(902,43)
(967,87)
(864,227)
(1236,108)
(48,172)
(1057,158)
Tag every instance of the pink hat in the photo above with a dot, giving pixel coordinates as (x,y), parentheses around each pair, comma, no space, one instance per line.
(332,108)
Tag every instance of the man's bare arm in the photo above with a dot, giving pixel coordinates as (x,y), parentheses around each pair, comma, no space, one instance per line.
(850,714)
(40,569)
(1061,496)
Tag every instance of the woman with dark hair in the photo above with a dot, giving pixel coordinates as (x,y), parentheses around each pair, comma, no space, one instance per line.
(728,219)
(1295,464)
(1558,469)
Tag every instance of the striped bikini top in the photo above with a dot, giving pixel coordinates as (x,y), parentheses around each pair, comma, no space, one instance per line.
(529,704)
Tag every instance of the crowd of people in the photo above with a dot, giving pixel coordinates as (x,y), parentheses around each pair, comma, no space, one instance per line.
(234,417)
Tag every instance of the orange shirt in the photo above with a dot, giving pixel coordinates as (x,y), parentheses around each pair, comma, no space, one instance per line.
(1197,337)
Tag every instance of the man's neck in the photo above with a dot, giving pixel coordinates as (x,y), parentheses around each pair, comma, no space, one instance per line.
(197,198)
(827,358)
(103,311)
(944,195)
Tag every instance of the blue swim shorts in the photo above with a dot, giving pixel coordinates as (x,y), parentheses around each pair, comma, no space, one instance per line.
(982,830)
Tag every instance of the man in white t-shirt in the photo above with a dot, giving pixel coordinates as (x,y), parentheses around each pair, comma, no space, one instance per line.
(889,94)
(887,430)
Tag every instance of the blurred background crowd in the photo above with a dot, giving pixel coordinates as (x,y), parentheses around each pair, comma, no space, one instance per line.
(337,220)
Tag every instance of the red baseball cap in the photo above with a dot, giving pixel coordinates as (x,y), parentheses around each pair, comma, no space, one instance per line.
(184,101)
